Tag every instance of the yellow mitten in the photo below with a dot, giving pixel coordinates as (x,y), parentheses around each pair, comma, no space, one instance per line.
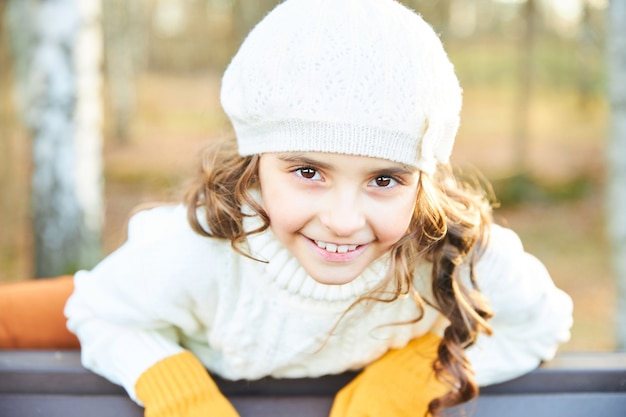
(180,386)
(399,384)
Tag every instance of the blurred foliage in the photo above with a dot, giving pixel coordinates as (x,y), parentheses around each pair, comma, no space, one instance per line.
(523,189)
(186,35)
(495,63)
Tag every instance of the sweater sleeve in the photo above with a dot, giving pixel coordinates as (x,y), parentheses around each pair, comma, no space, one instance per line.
(129,310)
(531,315)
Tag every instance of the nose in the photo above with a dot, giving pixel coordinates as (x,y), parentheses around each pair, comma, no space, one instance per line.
(342,213)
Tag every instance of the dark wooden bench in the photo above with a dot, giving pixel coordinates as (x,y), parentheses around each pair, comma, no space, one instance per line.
(54,384)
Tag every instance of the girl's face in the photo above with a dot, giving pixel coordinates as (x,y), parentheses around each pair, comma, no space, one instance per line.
(336,213)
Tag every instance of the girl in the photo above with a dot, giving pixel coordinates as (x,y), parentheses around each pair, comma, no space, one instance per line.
(331,236)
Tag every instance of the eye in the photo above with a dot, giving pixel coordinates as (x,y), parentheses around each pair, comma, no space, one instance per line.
(308,173)
(383,181)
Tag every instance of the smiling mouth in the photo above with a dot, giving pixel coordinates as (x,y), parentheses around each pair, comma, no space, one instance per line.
(333,248)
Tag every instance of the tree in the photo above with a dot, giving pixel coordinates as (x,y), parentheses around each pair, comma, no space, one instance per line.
(522,105)
(57,52)
(249,13)
(119,21)
(616,153)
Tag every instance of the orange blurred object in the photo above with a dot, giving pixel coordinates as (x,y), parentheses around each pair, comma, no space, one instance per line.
(31,314)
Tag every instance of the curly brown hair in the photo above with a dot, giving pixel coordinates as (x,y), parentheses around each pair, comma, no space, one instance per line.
(449,229)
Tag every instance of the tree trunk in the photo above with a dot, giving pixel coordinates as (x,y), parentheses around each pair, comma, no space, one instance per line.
(586,49)
(57,56)
(522,108)
(119,40)
(616,154)
(249,13)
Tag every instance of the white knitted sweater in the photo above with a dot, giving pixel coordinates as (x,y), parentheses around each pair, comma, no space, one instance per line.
(167,288)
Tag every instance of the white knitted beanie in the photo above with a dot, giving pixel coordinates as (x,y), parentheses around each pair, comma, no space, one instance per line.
(358,77)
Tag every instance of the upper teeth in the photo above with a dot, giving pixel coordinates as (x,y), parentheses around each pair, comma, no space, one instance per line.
(331,247)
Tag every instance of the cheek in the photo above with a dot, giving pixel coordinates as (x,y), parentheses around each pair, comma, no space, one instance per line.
(394,226)
(284,211)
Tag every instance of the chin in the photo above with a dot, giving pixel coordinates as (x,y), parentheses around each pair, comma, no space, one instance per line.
(334,279)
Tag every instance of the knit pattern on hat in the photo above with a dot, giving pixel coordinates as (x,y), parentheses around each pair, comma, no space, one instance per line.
(359,77)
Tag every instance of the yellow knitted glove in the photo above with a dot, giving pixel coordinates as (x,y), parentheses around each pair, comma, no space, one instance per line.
(399,384)
(180,386)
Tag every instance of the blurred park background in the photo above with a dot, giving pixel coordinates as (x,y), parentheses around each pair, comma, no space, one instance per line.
(534,121)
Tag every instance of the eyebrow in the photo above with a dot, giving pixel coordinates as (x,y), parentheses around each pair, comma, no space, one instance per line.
(297,158)
(393,170)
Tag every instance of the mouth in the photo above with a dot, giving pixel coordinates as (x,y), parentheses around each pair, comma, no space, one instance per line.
(334,248)
(337,253)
